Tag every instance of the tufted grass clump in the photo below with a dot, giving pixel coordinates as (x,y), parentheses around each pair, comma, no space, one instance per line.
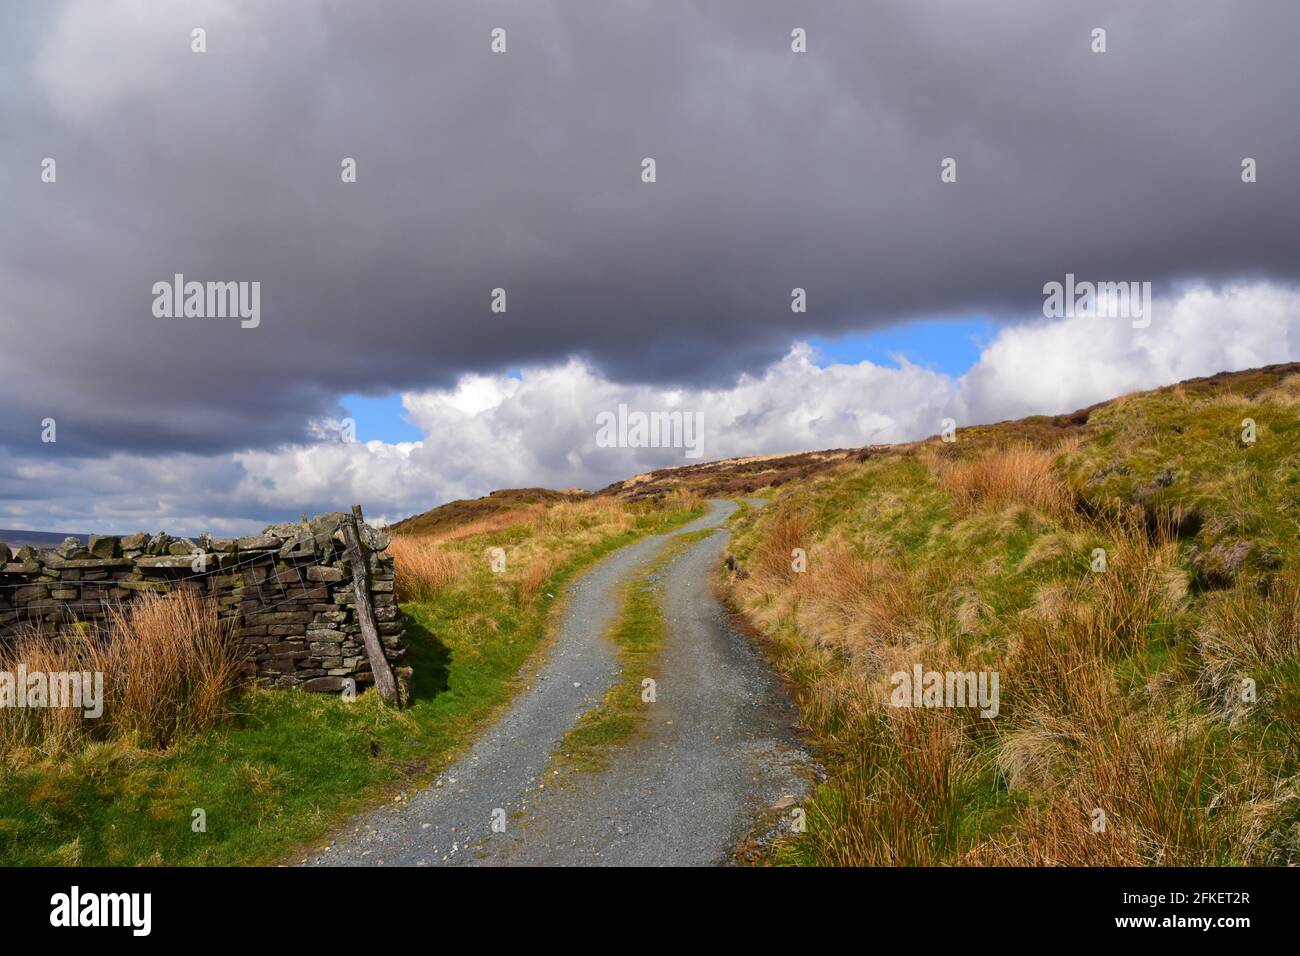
(166,667)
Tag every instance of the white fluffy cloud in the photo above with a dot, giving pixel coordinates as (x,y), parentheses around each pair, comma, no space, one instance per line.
(539,428)
(1068,364)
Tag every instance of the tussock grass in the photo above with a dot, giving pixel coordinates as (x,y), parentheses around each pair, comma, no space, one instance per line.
(1015,476)
(899,799)
(774,558)
(169,671)
(535,575)
(424,566)
(1244,637)
(862,604)
(1123,735)
(171,668)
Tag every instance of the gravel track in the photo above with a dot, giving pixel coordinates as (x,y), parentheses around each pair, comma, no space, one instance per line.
(718,747)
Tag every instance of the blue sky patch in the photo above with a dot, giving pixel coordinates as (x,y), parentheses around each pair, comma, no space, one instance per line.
(944,345)
(381,418)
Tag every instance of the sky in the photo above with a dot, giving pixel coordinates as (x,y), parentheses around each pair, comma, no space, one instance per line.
(523,170)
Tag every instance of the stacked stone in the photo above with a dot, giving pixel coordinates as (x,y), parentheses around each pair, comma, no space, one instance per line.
(286,594)
(72,580)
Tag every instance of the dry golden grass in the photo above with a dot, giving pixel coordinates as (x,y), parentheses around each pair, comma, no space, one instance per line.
(898,801)
(567,517)
(850,621)
(169,669)
(862,605)
(1120,782)
(1073,739)
(28,733)
(536,573)
(499,522)
(424,566)
(1146,717)
(773,559)
(1125,791)
(1014,476)
(1070,741)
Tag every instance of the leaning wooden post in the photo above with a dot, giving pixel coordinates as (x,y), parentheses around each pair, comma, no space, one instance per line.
(385,683)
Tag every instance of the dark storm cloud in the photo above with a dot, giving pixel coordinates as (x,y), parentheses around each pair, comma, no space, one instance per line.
(521,171)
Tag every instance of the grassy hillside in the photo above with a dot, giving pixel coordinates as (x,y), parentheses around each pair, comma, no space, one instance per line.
(1149,705)
(731,477)
(499,507)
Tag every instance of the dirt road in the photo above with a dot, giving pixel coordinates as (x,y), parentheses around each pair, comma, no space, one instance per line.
(718,748)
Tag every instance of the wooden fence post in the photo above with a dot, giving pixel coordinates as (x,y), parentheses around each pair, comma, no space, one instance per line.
(385,683)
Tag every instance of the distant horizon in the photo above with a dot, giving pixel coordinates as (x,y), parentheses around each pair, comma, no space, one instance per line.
(182,528)
(37,537)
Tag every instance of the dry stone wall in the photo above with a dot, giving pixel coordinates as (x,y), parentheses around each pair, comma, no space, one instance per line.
(286,594)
